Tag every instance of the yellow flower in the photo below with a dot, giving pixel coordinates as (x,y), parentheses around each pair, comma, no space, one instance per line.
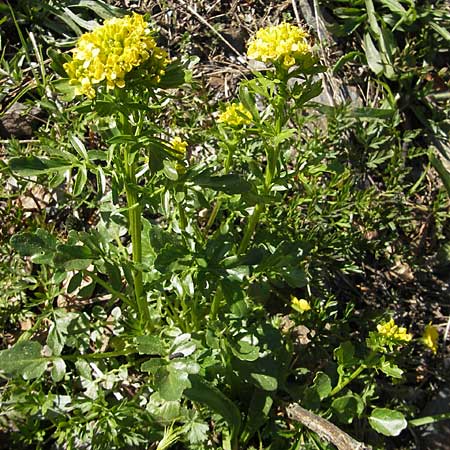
(391,330)
(284,43)
(111,51)
(301,305)
(430,337)
(179,145)
(236,115)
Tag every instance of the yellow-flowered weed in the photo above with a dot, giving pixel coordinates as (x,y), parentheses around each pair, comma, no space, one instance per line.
(285,43)
(111,52)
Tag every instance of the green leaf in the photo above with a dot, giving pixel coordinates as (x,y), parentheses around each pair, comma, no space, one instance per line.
(248,102)
(394,6)
(442,171)
(73,257)
(351,56)
(78,145)
(387,421)
(266,382)
(322,385)
(27,166)
(80,181)
(245,351)
(203,392)
(183,344)
(372,55)
(115,277)
(391,369)
(171,383)
(345,354)
(75,282)
(40,245)
(372,18)
(174,76)
(196,432)
(23,359)
(442,31)
(57,335)
(373,113)
(230,184)
(102,9)
(170,170)
(58,370)
(149,345)
(347,407)
(257,415)
(153,365)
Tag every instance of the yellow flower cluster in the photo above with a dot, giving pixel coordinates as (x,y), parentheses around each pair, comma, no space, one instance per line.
(430,338)
(392,331)
(179,145)
(112,51)
(300,305)
(284,43)
(235,115)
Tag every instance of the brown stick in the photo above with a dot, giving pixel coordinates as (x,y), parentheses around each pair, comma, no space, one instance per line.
(325,429)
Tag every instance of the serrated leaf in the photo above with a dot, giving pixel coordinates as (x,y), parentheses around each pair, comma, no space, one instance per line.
(23,359)
(387,421)
(196,432)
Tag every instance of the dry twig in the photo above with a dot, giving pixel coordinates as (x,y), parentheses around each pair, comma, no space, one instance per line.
(325,429)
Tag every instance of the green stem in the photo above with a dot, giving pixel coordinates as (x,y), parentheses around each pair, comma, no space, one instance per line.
(428,419)
(254,218)
(218,204)
(215,305)
(95,355)
(348,380)
(135,230)
(110,289)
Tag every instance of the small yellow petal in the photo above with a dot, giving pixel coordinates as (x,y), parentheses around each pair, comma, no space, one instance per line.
(430,337)
(300,305)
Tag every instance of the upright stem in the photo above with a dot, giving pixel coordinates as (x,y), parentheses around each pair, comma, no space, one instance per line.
(348,380)
(253,221)
(218,204)
(135,230)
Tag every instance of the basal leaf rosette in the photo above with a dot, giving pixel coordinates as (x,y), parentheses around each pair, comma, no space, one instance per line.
(285,44)
(120,51)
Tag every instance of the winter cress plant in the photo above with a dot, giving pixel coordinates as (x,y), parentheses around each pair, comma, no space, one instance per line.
(177,344)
